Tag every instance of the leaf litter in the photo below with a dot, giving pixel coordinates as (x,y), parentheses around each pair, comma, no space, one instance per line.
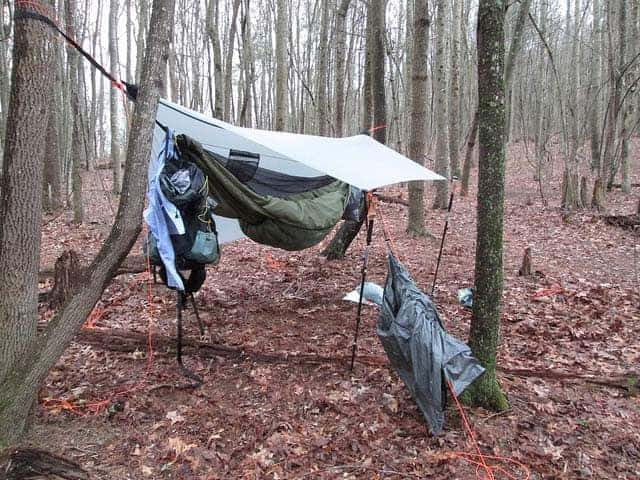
(252,419)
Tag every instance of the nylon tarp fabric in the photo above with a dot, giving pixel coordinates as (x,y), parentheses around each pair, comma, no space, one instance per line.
(358,160)
(419,348)
(293,223)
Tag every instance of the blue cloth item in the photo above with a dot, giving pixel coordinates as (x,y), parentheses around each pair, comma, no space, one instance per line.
(162,216)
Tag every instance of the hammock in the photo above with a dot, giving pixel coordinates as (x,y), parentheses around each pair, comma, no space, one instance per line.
(283,211)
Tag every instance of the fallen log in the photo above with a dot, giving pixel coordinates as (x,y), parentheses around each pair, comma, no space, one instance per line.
(389,199)
(127,341)
(629,381)
(628,222)
(23,463)
(136,264)
(130,341)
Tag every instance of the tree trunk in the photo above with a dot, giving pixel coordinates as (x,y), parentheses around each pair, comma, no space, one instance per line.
(52,185)
(468,157)
(20,217)
(375,63)
(571,198)
(282,66)
(114,97)
(484,333)
(26,356)
(418,106)
(440,92)
(454,91)
(341,43)
(378,9)
(322,71)
(514,49)
(594,87)
(616,51)
(76,139)
(228,73)
(67,272)
(626,27)
(213,31)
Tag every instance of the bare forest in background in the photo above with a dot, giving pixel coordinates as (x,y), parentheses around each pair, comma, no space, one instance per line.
(571,73)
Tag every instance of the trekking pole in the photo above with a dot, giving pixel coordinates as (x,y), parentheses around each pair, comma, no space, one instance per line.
(197,379)
(365,261)
(444,234)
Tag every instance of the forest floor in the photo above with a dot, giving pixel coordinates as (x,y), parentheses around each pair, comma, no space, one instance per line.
(286,406)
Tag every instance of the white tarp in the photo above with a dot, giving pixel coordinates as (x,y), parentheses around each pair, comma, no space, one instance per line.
(359,160)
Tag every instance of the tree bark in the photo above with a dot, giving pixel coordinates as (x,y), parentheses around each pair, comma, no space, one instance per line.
(571,198)
(322,71)
(228,73)
(213,31)
(282,66)
(454,91)
(594,87)
(52,185)
(341,44)
(484,332)
(114,97)
(20,214)
(468,157)
(440,91)
(25,356)
(418,128)
(76,139)
(514,49)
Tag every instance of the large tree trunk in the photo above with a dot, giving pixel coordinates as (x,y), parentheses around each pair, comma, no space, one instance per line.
(485,325)
(440,92)
(418,129)
(26,356)
(20,217)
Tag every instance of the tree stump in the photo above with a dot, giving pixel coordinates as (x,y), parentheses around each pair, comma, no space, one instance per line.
(32,463)
(67,274)
(597,200)
(526,269)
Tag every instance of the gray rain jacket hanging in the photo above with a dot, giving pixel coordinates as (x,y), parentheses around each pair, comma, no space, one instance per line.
(423,353)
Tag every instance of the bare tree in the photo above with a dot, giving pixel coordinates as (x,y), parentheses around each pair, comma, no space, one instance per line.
(484,333)
(114,97)
(339,91)
(418,105)
(282,66)
(440,92)
(26,356)
(213,31)
(76,139)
